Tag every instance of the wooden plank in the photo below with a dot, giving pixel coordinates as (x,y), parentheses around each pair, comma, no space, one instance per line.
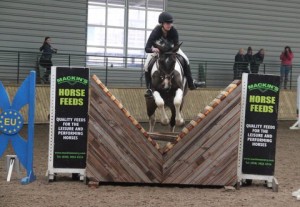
(129,130)
(185,159)
(133,153)
(166,137)
(203,128)
(108,157)
(224,160)
(198,157)
(202,162)
(121,150)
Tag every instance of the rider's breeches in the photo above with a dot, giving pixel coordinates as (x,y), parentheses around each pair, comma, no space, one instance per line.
(148,59)
(183,55)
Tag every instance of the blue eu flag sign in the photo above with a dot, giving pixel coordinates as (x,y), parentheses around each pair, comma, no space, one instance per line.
(11,122)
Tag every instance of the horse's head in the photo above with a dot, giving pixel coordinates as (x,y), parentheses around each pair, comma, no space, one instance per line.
(166,63)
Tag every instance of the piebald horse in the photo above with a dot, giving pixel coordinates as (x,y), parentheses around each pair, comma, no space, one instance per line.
(168,85)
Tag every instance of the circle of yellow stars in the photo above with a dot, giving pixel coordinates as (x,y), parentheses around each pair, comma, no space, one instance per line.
(11,129)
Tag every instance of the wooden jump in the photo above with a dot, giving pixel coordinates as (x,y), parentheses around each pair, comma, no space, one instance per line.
(205,152)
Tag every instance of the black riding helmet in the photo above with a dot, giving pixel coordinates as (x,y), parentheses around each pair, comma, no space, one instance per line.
(165,17)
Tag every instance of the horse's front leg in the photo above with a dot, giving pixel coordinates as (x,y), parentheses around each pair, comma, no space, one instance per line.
(151,123)
(177,103)
(161,106)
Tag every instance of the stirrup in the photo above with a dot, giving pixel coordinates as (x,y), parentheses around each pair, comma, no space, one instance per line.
(199,84)
(192,87)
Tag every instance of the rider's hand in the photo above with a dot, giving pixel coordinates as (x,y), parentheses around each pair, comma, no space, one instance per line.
(155,50)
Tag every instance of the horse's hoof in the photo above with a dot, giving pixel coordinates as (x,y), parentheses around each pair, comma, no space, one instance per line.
(165,122)
(180,122)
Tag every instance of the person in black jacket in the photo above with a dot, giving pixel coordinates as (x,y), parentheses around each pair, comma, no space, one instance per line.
(165,30)
(240,65)
(249,57)
(258,58)
(45,59)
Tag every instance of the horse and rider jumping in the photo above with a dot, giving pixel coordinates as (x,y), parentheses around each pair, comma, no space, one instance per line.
(166,30)
(167,74)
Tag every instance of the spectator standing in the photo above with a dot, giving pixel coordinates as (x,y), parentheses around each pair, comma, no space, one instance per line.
(249,57)
(46,57)
(240,65)
(258,59)
(286,58)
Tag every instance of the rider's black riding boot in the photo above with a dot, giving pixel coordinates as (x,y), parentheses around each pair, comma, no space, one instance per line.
(191,83)
(188,75)
(148,84)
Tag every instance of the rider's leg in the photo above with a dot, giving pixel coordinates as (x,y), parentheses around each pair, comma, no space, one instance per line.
(148,83)
(188,75)
(187,72)
(148,62)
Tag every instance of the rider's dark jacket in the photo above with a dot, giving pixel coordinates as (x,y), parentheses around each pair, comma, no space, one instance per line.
(47,51)
(157,33)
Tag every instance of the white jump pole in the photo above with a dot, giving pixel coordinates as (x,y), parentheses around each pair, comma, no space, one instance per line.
(297,124)
(11,162)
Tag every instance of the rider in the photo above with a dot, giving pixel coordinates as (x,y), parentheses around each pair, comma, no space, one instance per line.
(166,30)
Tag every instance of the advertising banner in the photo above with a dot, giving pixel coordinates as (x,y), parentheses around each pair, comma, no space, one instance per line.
(260,125)
(71,117)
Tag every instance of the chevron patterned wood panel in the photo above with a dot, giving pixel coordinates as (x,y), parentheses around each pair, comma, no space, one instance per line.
(204,153)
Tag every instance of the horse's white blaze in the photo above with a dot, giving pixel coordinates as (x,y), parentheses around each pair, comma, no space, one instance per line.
(166,83)
(161,106)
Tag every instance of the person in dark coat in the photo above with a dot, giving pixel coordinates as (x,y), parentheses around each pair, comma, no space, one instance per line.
(258,59)
(46,57)
(240,65)
(249,56)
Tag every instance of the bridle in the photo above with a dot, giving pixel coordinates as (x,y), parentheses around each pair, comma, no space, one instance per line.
(165,76)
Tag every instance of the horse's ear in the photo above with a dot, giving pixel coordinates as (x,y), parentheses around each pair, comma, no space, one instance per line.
(176,48)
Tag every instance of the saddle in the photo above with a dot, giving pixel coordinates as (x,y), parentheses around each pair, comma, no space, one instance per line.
(181,60)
